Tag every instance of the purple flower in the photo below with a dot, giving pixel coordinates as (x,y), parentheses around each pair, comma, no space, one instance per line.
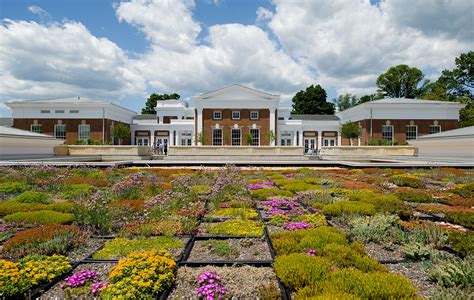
(296,225)
(80,278)
(210,287)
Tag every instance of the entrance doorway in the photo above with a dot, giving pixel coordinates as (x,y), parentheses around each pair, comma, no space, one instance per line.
(161,140)
(309,145)
(143,141)
(329,142)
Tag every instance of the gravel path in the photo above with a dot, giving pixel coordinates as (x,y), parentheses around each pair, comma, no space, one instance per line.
(416,273)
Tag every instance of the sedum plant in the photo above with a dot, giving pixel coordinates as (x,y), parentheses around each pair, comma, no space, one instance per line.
(372,228)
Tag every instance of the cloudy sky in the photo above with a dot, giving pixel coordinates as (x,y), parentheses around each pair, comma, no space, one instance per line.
(123,51)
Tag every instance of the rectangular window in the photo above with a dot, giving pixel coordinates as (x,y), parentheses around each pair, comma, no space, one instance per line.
(84,132)
(435,129)
(236,137)
(36,128)
(254,115)
(45,111)
(236,115)
(60,131)
(59,111)
(412,132)
(74,111)
(255,137)
(217,137)
(387,132)
(217,115)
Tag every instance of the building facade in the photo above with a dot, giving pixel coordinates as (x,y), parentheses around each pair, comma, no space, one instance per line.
(75,120)
(235,116)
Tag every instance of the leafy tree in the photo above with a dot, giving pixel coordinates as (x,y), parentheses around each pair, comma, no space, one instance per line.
(349,131)
(153,99)
(346,101)
(371,97)
(401,82)
(466,115)
(312,101)
(121,132)
(459,82)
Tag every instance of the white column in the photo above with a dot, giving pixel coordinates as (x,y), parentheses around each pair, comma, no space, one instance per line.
(199,124)
(320,138)
(132,141)
(339,139)
(272,125)
(152,138)
(178,142)
(301,138)
(294,138)
(170,139)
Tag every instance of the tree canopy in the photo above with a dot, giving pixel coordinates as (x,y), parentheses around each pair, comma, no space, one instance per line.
(312,101)
(346,101)
(121,132)
(350,130)
(154,98)
(401,81)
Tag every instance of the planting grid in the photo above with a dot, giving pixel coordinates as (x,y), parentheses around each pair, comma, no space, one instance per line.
(431,215)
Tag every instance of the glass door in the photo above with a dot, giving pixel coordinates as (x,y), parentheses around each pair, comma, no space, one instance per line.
(309,145)
(143,141)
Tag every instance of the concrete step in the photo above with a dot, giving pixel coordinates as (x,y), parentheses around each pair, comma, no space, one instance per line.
(236,158)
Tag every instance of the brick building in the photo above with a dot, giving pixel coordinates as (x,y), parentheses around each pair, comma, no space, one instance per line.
(74,119)
(235,116)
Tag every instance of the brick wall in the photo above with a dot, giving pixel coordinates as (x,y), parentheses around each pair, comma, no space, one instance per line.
(226,123)
(399,127)
(72,128)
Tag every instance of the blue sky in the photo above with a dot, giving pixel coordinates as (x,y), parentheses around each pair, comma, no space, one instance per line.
(122,51)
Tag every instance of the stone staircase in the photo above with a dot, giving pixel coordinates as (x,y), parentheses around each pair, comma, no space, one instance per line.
(232,158)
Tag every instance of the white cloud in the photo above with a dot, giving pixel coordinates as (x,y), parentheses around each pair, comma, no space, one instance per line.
(37,10)
(62,59)
(231,52)
(263,14)
(167,23)
(349,43)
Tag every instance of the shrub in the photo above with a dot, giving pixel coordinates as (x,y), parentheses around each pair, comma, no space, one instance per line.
(286,242)
(407,180)
(77,191)
(432,234)
(32,197)
(12,187)
(464,218)
(344,256)
(10,207)
(462,243)
(454,293)
(372,228)
(315,220)
(264,194)
(44,240)
(299,270)
(348,208)
(18,277)
(454,272)
(140,276)
(120,247)
(41,217)
(464,190)
(417,251)
(415,196)
(236,227)
(243,213)
(373,285)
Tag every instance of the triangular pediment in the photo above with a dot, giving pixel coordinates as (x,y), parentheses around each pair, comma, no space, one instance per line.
(237,92)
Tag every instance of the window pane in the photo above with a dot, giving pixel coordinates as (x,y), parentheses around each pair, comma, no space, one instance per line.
(255,135)
(217,137)
(37,128)
(84,132)
(387,132)
(60,131)
(435,129)
(411,132)
(235,137)
(254,115)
